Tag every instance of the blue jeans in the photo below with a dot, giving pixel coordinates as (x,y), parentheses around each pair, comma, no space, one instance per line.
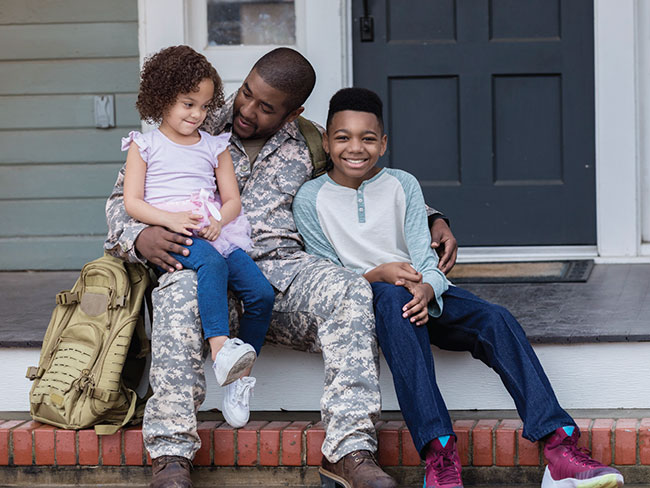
(489,332)
(215,274)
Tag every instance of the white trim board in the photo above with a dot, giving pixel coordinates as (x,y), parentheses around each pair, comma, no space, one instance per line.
(292,380)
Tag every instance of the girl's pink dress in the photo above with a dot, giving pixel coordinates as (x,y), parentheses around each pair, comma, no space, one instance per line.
(181,178)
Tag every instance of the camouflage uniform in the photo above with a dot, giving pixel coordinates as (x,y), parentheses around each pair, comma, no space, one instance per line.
(318,307)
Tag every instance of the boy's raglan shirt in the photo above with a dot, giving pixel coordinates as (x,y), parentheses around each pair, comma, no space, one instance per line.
(382,221)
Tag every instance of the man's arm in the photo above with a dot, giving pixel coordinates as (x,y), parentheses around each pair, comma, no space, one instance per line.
(442,239)
(136,242)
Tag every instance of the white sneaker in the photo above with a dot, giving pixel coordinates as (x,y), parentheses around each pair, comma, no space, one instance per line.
(236,409)
(232,360)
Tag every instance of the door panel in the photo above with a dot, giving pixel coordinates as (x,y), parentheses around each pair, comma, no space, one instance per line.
(489,103)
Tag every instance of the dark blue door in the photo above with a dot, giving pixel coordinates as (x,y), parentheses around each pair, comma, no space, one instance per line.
(490,104)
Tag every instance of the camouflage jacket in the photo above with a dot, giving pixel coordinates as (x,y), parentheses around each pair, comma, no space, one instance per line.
(267,189)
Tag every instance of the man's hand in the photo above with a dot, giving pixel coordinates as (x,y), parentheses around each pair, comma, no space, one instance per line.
(392,273)
(417,309)
(155,243)
(211,231)
(444,243)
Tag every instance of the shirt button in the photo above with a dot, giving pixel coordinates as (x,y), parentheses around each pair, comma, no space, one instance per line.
(361,209)
(245,168)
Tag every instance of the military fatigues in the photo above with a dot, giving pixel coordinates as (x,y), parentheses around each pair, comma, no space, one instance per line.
(318,307)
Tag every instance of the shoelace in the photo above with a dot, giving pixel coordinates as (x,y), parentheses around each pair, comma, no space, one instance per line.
(445,468)
(579,455)
(240,391)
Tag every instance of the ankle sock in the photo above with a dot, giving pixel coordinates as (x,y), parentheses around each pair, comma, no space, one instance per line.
(443,440)
(569,430)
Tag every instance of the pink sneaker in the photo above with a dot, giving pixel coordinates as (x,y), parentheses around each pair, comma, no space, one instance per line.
(572,467)
(443,465)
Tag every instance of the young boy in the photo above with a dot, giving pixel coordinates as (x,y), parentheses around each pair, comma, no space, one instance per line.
(373,221)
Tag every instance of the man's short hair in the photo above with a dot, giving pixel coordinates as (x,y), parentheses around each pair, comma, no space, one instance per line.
(357,99)
(289,71)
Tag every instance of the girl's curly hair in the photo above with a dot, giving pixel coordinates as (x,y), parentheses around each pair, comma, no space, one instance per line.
(169,72)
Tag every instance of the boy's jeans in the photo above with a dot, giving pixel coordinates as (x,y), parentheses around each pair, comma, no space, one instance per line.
(215,274)
(489,332)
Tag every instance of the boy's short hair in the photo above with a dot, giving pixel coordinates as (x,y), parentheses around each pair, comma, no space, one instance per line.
(357,99)
(287,70)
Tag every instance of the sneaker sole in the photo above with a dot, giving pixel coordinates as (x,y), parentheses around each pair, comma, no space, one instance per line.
(611,480)
(242,364)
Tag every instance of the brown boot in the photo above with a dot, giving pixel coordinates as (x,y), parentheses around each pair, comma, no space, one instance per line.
(171,472)
(359,469)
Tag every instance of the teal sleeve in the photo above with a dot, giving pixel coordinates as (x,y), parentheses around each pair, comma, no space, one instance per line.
(418,240)
(306,218)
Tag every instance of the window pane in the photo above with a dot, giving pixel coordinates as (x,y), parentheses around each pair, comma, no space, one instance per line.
(251,22)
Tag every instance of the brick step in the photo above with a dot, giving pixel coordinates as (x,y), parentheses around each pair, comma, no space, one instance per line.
(491,450)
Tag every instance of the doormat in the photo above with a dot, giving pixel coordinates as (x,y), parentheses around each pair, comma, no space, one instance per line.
(523,272)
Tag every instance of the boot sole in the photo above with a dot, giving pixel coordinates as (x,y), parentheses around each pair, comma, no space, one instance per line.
(330,480)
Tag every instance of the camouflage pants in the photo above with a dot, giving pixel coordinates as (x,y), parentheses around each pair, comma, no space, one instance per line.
(326,308)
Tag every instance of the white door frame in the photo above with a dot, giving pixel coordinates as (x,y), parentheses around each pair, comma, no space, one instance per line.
(622,90)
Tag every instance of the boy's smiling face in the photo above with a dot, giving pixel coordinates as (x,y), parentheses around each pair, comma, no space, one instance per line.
(355,141)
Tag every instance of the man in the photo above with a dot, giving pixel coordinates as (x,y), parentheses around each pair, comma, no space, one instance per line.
(318,307)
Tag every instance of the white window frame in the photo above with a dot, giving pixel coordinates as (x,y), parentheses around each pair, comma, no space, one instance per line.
(321,36)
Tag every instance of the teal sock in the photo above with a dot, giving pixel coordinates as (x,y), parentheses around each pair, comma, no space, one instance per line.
(443,440)
(569,430)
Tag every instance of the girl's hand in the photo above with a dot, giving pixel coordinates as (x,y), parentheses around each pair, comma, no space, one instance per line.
(183,222)
(212,230)
(417,309)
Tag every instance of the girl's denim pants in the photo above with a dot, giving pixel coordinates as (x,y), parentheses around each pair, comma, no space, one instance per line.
(215,274)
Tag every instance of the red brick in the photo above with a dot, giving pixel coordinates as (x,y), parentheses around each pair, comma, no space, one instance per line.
(112,449)
(585,433)
(315,439)
(224,445)
(482,442)
(88,447)
(270,443)
(601,440)
(44,445)
(410,455)
(22,441)
(147,459)
(66,447)
(462,429)
(625,442)
(5,429)
(292,444)
(506,441)
(528,451)
(644,441)
(388,437)
(203,456)
(247,443)
(133,446)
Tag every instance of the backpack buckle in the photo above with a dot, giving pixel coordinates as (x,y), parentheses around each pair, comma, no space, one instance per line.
(66,298)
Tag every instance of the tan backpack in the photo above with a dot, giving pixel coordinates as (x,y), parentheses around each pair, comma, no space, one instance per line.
(79,381)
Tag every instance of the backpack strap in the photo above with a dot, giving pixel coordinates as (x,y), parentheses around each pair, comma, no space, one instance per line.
(315,145)
(110,429)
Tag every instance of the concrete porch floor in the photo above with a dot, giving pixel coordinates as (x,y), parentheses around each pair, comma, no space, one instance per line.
(612,306)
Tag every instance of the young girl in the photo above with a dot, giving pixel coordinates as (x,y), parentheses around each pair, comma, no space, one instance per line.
(172,174)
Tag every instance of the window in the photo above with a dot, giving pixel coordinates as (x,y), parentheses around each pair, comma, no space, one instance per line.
(251,22)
